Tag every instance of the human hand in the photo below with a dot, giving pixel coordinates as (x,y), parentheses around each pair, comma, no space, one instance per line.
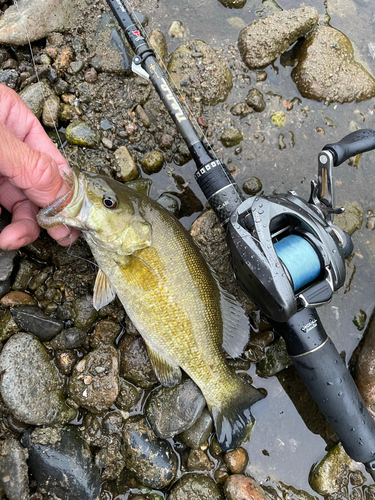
(31,170)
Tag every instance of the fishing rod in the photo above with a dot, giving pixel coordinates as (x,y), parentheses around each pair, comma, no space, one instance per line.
(286,253)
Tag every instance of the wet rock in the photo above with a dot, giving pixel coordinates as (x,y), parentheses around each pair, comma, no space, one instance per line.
(231,137)
(158,41)
(171,410)
(176,30)
(33,96)
(170,203)
(17,298)
(151,459)
(197,435)
(241,109)
(327,70)
(51,111)
(107,143)
(69,339)
(8,326)
(24,275)
(351,219)
(31,385)
(198,460)
(128,168)
(135,364)
(10,78)
(105,333)
(84,313)
(34,320)
(152,162)
(360,320)
(195,487)
(94,383)
(142,115)
(236,460)
(331,474)
(110,460)
(255,100)
(128,396)
(252,186)
(61,463)
(239,487)
(262,41)
(5,287)
(209,235)
(81,134)
(199,71)
(13,470)
(276,359)
(233,4)
(38,20)
(65,360)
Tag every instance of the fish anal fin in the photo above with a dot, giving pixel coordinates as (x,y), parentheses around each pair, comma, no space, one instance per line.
(103,291)
(167,372)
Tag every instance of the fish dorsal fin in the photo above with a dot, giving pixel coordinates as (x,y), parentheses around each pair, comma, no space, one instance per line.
(167,372)
(138,236)
(236,327)
(103,291)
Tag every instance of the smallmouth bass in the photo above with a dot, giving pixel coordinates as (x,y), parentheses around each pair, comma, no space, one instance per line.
(151,262)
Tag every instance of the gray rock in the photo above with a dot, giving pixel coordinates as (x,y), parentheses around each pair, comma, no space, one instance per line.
(327,70)
(61,463)
(13,470)
(233,4)
(33,96)
(51,111)
(176,30)
(169,202)
(231,137)
(31,385)
(262,41)
(276,359)
(197,435)
(10,78)
(5,287)
(195,487)
(171,410)
(6,263)
(24,275)
(255,100)
(152,162)
(198,71)
(238,487)
(150,458)
(8,326)
(94,382)
(36,20)
(252,186)
(84,313)
(69,339)
(81,134)
(135,364)
(128,396)
(34,320)
(128,168)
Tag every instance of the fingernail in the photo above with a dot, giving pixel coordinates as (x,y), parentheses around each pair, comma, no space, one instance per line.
(21,242)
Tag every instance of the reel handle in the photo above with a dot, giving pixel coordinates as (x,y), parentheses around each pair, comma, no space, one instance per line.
(329,382)
(353,144)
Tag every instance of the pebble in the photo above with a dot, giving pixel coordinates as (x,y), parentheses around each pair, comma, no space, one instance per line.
(143,116)
(105,332)
(30,385)
(17,298)
(24,275)
(252,186)
(255,100)
(231,137)
(135,364)
(8,326)
(152,162)
(34,320)
(69,472)
(236,460)
(81,134)
(94,382)
(172,410)
(51,111)
(239,487)
(241,109)
(198,460)
(129,170)
(75,67)
(69,339)
(34,97)
(170,203)
(5,287)
(128,396)
(150,458)
(107,143)
(84,313)
(10,78)
(13,470)
(176,29)
(91,75)
(195,487)
(159,43)
(65,361)
(197,435)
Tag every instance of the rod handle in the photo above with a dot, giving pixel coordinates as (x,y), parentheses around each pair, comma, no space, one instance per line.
(353,144)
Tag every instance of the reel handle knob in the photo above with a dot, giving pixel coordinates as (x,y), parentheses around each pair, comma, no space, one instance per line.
(353,144)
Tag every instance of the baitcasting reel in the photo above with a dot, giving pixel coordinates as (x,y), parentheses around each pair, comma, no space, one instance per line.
(287,253)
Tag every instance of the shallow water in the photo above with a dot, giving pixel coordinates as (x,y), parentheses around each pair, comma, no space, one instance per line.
(281,447)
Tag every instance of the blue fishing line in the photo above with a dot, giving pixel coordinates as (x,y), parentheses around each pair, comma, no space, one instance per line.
(300,258)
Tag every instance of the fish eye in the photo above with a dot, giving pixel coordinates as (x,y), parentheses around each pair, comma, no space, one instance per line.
(109,201)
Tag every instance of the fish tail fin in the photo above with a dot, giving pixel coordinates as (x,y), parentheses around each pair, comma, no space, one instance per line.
(233,418)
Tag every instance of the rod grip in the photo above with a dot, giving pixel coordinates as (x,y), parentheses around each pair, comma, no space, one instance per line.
(353,144)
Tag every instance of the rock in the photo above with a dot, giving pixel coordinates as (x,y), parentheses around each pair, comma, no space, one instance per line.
(65,360)
(239,487)
(34,320)
(10,78)
(351,219)
(35,21)
(240,109)
(198,71)
(252,186)
(8,326)
(51,111)
(84,313)
(69,339)
(195,487)
(294,494)
(128,396)
(236,460)
(255,100)
(331,474)
(91,75)
(171,410)
(61,87)
(31,385)
(61,463)
(197,435)
(16,298)
(94,382)
(276,359)
(75,67)
(360,320)
(135,365)
(169,202)
(33,96)
(142,115)
(262,41)
(231,137)
(176,30)
(327,70)
(152,162)
(5,287)
(198,460)
(107,143)
(233,4)
(109,459)
(105,332)
(13,470)
(151,459)
(159,43)
(81,134)
(128,168)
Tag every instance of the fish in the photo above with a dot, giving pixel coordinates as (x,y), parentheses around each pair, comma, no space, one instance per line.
(150,261)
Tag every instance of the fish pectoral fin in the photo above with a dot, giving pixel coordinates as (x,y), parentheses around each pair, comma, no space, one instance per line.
(168,374)
(103,291)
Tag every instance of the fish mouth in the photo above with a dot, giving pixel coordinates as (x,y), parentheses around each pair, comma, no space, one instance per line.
(70,209)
